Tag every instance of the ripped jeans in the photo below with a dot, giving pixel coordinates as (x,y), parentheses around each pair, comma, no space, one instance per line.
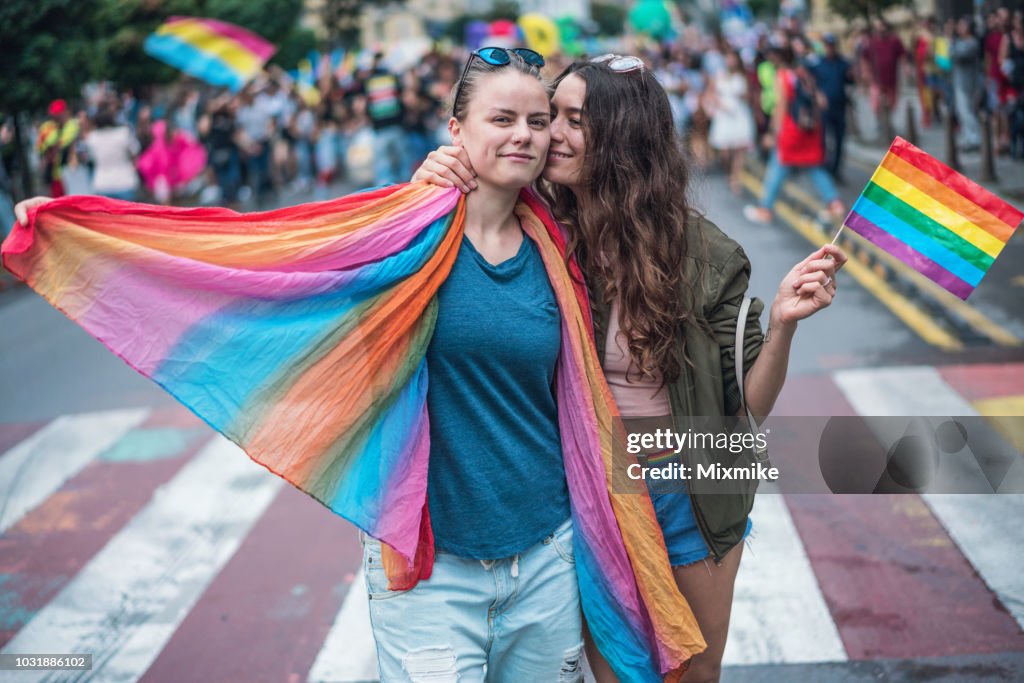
(514,619)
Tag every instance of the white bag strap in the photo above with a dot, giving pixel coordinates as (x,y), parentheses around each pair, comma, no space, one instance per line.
(760,454)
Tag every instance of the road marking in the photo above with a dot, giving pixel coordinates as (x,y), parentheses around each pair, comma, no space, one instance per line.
(779,613)
(44,551)
(988,530)
(349,653)
(274,600)
(986,527)
(127,602)
(31,471)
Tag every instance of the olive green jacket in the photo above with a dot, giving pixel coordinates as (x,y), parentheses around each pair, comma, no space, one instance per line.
(708,387)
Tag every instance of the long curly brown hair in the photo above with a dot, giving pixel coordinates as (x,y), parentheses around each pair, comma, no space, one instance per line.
(629,214)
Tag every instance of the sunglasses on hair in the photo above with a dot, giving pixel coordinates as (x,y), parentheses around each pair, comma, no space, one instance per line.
(497,56)
(620,64)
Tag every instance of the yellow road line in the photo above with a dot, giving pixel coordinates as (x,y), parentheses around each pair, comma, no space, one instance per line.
(912,316)
(972,316)
(1004,414)
(975,318)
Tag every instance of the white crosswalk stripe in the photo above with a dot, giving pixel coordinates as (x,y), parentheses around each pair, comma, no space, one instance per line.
(31,471)
(779,614)
(349,654)
(125,604)
(986,526)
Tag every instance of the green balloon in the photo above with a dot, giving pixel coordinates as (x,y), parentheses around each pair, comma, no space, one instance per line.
(651,17)
(569,31)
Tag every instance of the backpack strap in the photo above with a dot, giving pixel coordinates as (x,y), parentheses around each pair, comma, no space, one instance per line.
(760,454)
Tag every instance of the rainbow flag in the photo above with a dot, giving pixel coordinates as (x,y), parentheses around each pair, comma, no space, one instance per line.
(301,335)
(946,227)
(213,51)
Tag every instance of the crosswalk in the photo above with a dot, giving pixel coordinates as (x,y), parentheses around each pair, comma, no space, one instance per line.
(142,538)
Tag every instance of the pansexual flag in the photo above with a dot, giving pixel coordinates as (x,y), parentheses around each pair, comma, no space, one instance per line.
(935,220)
(213,51)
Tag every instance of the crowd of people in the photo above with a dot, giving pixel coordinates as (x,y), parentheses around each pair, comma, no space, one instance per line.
(782,93)
(271,137)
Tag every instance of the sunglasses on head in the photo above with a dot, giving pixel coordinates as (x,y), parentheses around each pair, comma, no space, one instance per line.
(620,64)
(497,56)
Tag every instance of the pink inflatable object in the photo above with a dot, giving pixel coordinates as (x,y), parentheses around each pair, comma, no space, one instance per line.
(178,161)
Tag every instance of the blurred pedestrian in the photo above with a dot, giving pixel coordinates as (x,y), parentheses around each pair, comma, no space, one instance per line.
(732,122)
(302,131)
(697,121)
(798,141)
(832,74)
(185,112)
(417,119)
(326,149)
(144,126)
(965,55)
(384,106)
(924,68)
(55,143)
(113,149)
(219,130)
(887,54)
(767,69)
(1011,59)
(997,84)
(256,122)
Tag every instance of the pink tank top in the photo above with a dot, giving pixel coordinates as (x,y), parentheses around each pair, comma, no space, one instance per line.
(637,398)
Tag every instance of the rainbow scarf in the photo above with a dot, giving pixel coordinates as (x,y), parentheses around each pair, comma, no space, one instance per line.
(301,333)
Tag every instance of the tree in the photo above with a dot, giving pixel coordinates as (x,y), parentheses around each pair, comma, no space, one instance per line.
(867,9)
(127,23)
(294,47)
(53,44)
(341,18)
(764,8)
(610,19)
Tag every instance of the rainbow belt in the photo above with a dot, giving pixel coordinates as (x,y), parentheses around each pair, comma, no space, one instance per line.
(300,334)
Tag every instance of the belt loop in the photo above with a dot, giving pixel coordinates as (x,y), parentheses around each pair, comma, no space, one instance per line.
(515,566)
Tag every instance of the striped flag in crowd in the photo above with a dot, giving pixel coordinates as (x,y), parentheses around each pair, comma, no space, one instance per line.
(213,51)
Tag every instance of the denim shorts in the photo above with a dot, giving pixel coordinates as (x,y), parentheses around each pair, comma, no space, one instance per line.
(674,511)
(512,619)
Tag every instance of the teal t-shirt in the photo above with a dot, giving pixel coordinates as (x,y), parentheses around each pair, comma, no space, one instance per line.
(496,482)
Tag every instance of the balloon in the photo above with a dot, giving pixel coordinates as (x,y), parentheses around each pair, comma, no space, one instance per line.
(503,28)
(569,31)
(476,34)
(650,17)
(541,34)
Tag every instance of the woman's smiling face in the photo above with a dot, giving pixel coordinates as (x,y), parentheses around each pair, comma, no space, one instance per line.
(565,155)
(506,129)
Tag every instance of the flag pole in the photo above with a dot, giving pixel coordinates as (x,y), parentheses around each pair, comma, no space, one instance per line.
(840,230)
